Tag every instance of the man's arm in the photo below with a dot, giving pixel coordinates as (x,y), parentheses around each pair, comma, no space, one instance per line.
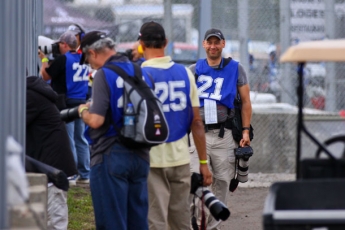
(100,102)
(44,65)
(91,119)
(198,132)
(246,113)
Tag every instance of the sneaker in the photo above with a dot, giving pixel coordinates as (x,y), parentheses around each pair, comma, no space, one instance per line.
(72,181)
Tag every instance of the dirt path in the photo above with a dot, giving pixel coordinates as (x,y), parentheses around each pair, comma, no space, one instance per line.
(246,206)
(247,202)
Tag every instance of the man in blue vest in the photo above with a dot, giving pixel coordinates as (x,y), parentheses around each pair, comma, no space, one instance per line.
(219,80)
(69,80)
(118,174)
(169,178)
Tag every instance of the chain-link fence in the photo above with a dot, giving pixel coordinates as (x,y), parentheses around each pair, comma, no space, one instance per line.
(262,27)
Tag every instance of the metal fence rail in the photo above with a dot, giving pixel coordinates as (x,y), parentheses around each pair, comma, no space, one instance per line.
(19,58)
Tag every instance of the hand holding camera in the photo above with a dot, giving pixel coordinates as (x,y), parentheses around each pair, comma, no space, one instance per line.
(242,155)
(244,152)
(41,55)
(206,174)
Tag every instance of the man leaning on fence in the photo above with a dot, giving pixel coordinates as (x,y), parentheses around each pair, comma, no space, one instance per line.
(118,178)
(219,80)
(169,178)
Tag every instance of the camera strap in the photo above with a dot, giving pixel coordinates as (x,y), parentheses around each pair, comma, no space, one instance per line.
(234,181)
(203,218)
(194,222)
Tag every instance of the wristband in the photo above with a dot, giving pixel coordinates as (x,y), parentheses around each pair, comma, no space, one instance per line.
(45,59)
(245,128)
(203,162)
(82,110)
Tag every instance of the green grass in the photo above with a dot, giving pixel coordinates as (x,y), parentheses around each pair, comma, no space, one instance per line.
(80,210)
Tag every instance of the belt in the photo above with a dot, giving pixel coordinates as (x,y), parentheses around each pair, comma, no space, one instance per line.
(227,124)
(213,126)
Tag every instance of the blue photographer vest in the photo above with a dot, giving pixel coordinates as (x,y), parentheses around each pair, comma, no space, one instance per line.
(219,84)
(76,77)
(172,87)
(115,83)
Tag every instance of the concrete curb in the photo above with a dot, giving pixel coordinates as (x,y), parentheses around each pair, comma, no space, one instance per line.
(264,180)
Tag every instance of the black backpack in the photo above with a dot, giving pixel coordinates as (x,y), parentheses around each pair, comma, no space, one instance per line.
(150,123)
(236,122)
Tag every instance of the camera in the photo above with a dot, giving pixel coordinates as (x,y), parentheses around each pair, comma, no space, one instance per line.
(48,46)
(244,152)
(218,210)
(127,53)
(242,155)
(45,44)
(68,115)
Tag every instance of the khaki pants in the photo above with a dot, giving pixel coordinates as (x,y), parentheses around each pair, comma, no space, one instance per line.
(57,209)
(221,158)
(169,204)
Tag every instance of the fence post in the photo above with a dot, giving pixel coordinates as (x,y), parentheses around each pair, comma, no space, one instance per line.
(243,32)
(205,23)
(286,78)
(19,49)
(330,79)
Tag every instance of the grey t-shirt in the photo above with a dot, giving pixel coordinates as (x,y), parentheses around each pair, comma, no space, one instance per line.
(101,105)
(221,109)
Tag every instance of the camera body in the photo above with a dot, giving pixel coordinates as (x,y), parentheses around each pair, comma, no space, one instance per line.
(48,46)
(55,50)
(218,210)
(127,53)
(244,152)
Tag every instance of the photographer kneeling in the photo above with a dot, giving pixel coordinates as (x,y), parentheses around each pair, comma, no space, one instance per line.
(69,80)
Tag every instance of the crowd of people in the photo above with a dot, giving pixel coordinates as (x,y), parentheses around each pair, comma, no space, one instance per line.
(138,188)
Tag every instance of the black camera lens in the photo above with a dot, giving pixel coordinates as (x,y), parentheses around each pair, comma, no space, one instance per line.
(68,115)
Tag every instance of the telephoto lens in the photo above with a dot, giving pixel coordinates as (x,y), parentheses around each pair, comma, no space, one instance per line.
(242,158)
(68,115)
(242,172)
(218,210)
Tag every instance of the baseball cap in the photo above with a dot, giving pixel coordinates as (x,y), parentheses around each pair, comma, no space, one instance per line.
(214,32)
(76,29)
(88,40)
(151,31)
(69,38)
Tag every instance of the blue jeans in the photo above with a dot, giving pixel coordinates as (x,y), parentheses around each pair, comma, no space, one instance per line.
(79,147)
(119,190)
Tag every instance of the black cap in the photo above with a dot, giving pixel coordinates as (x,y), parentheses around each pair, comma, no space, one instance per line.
(214,33)
(151,31)
(88,40)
